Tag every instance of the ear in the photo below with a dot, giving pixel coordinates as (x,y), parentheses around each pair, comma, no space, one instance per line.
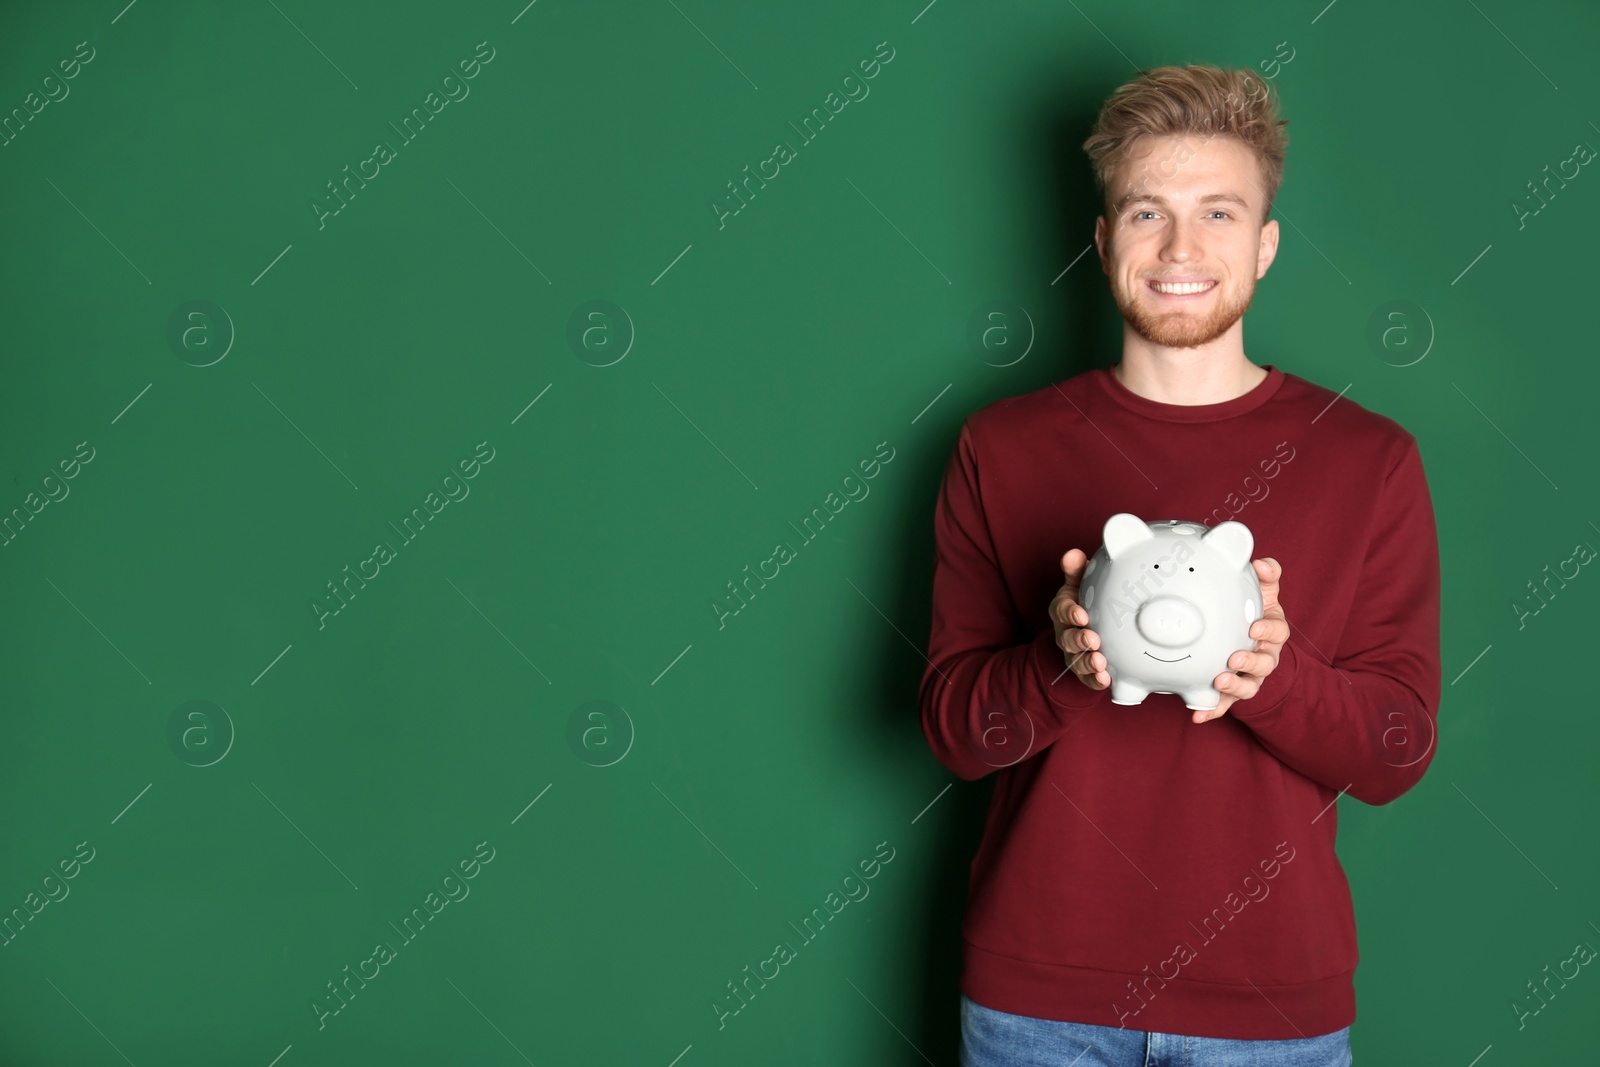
(1233,540)
(1268,249)
(1123,531)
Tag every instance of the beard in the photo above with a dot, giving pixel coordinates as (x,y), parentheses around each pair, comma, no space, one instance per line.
(1183,327)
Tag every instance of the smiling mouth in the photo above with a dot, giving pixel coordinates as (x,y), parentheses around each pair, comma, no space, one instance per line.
(1158,659)
(1180,289)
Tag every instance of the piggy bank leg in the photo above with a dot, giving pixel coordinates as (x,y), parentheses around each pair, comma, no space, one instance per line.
(1124,691)
(1205,698)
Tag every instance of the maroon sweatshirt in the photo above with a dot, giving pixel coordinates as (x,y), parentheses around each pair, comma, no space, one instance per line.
(1137,869)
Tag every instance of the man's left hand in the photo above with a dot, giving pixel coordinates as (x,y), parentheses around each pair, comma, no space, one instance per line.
(1247,670)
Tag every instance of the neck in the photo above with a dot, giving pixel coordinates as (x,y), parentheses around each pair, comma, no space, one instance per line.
(1187,376)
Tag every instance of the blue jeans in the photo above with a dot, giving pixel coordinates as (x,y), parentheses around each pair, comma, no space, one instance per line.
(991,1038)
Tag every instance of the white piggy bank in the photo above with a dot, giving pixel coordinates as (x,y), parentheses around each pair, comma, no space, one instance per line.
(1171,601)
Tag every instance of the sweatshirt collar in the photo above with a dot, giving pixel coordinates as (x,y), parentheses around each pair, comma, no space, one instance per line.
(1227,409)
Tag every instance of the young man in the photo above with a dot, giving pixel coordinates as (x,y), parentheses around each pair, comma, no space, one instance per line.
(1156,885)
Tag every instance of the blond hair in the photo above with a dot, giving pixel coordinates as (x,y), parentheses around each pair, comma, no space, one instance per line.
(1195,100)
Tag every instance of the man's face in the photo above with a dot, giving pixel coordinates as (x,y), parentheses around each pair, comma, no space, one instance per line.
(1185,210)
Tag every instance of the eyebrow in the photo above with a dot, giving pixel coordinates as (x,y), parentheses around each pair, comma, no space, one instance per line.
(1150,198)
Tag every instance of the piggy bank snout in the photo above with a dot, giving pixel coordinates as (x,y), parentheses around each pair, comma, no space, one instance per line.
(1170,622)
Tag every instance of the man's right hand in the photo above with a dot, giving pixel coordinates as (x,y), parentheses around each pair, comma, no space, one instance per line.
(1079,645)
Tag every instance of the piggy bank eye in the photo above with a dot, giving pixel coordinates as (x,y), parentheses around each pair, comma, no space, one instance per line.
(1191,569)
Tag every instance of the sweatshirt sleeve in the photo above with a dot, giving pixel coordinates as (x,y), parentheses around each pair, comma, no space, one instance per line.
(988,702)
(1367,723)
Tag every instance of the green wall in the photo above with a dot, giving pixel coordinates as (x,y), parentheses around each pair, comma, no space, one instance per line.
(251,392)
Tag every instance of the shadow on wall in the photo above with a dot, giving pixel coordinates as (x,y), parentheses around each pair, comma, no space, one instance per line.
(1055,191)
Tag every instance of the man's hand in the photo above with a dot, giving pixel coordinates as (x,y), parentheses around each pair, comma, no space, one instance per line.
(1249,669)
(1078,645)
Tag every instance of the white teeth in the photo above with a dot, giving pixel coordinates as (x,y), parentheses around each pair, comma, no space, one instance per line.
(1181,288)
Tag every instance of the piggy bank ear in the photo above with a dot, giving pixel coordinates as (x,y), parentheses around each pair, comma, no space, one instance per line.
(1123,531)
(1233,540)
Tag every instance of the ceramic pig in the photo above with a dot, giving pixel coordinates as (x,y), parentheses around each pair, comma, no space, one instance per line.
(1171,601)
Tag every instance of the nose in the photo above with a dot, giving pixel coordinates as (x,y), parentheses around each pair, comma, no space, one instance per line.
(1170,622)
(1181,240)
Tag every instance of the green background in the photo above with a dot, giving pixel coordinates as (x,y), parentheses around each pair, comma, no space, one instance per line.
(760,761)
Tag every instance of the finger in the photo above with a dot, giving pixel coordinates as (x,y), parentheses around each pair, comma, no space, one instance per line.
(1271,630)
(1077,639)
(1085,661)
(1207,714)
(1095,679)
(1068,612)
(1248,663)
(1270,574)
(1090,664)
(1238,686)
(1073,564)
